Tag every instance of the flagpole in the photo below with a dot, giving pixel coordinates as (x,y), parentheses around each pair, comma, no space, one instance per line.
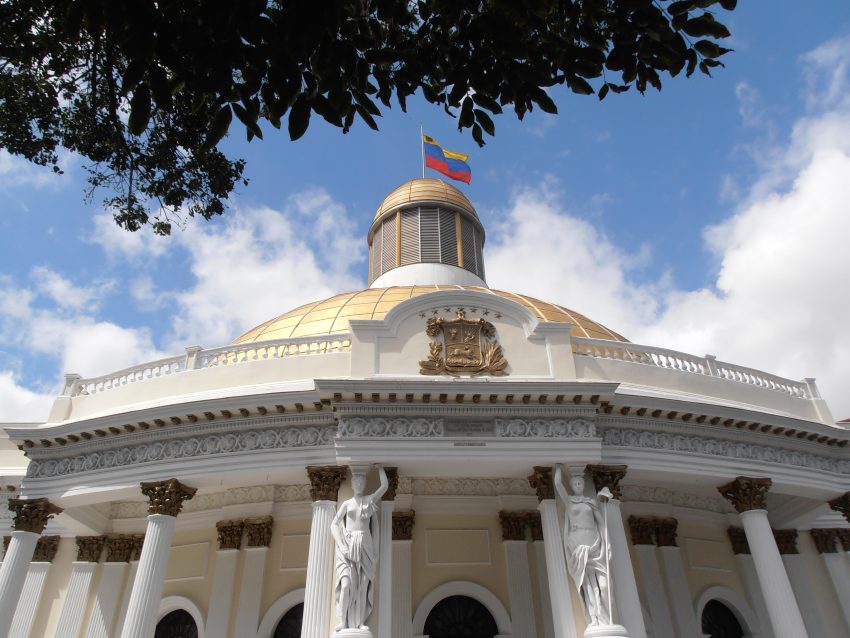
(422,144)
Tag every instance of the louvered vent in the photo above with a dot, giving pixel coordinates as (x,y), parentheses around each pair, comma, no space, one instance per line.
(448,238)
(410,237)
(468,240)
(389,244)
(429,232)
(479,257)
(376,255)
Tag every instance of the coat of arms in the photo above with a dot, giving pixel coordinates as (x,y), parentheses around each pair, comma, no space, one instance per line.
(470,348)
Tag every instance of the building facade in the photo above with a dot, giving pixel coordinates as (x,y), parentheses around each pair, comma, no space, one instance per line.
(196,495)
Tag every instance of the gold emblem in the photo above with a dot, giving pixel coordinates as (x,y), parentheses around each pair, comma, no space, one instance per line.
(470,348)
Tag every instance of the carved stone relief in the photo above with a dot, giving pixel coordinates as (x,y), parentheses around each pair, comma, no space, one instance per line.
(32,514)
(89,548)
(468,346)
(401,427)
(258,531)
(746,493)
(166,497)
(545,428)
(403,525)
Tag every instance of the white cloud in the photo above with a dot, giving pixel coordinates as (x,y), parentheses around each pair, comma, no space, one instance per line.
(118,243)
(17,172)
(19,403)
(64,293)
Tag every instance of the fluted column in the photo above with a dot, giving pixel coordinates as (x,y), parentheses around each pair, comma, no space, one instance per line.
(676,580)
(229,541)
(626,598)
(89,549)
(841,504)
(563,620)
(827,542)
(45,552)
(119,550)
(30,519)
(402,539)
(258,537)
(385,559)
(514,526)
(786,542)
(536,525)
(643,539)
(136,544)
(747,572)
(324,489)
(166,500)
(748,496)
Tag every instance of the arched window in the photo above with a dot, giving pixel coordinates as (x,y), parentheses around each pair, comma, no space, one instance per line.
(718,621)
(290,625)
(177,624)
(460,617)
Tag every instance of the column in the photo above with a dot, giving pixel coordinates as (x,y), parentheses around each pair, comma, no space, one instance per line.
(626,599)
(826,541)
(119,549)
(747,571)
(786,542)
(643,531)
(89,549)
(136,544)
(385,559)
(563,620)
(324,483)
(840,504)
(258,537)
(674,573)
(402,603)
(536,526)
(45,552)
(748,495)
(30,519)
(229,541)
(166,500)
(514,526)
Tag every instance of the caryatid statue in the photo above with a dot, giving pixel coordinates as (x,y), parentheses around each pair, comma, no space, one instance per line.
(356,532)
(587,550)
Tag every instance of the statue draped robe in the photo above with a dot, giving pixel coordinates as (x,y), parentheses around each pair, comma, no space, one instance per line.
(357,560)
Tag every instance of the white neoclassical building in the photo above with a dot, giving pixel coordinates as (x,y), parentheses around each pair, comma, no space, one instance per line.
(196,496)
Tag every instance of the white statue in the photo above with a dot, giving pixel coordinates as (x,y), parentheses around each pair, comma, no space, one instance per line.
(356,532)
(586,547)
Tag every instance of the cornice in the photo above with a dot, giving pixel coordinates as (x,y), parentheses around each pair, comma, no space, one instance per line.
(451,408)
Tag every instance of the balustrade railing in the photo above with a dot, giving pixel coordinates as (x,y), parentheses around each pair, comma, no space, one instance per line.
(152,370)
(682,362)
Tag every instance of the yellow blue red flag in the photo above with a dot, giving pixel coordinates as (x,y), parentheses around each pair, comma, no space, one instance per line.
(446,162)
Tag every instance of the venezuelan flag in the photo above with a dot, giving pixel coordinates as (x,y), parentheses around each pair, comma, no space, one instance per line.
(446,162)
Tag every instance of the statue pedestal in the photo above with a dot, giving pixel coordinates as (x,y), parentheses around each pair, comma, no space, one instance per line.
(353,633)
(606,631)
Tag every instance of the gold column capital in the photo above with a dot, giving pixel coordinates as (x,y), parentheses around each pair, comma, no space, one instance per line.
(230,533)
(826,540)
(392,479)
(746,493)
(258,531)
(666,532)
(535,523)
(403,525)
(786,541)
(608,476)
(541,481)
(167,497)
(325,481)
(642,530)
(45,549)
(89,548)
(513,525)
(32,514)
(841,504)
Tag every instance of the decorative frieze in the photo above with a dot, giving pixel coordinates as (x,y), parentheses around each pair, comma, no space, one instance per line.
(665,532)
(514,525)
(258,531)
(229,533)
(45,549)
(32,514)
(89,548)
(535,524)
(608,476)
(842,504)
(746,493)
(738,538)
(642,529)
(786,540)
(541,481)
(465,487)
(403,525)
(545,428)
(400,427)
(291,437)
(392,480)
(653,494)
(166,497)
(325,481)
(735,450)
(826,540)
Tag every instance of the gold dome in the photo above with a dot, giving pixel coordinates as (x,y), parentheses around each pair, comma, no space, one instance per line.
(331,316)
(424,190)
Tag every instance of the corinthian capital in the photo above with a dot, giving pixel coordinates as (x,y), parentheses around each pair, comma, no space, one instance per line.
(541,481)
(32,514)
(325,481)
(167,497)
(842,504)
(608,476)
(746,493)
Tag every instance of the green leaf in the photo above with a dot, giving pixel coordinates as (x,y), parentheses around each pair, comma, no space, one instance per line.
(133,75)
(366,117)
(467,118)
(545,102)
(486,102)
(603,91)
(219,127)
(677,8)
(249,120)
(710,49)
(579,85)
(140,110)
(705,25)
(477,135)
(299,118)
(485,122)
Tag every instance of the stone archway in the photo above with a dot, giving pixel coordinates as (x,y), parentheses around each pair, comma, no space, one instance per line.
(718,621)
(177,624)
(460,617)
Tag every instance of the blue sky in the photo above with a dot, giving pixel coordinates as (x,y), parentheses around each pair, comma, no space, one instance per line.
(710,217)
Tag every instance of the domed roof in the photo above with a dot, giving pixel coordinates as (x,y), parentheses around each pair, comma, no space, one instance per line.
(425,189)
(331,316)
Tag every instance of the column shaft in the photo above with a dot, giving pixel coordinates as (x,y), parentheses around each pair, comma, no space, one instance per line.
(778,596)
(836,565)
(140,621)
(28,602)
(653,587)
(317,596)
(218,617)
(76,597)
(563,619)
(248,613)
(402,618)
(125,598)
(519,589)
(385,567)
(626,598)
(747,571)
(106,600)
(677,589)
(802,587)
(13,574)
(543,587)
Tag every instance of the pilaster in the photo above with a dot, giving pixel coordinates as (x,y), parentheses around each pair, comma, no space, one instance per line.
(385,559)
(402,539)
(827,542)
(514,531)
(89,549)
(643,538)
(229,534)
(258,536)
(675,577)
(747,571)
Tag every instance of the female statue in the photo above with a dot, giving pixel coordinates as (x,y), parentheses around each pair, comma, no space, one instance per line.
(586,547)
(355,530)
